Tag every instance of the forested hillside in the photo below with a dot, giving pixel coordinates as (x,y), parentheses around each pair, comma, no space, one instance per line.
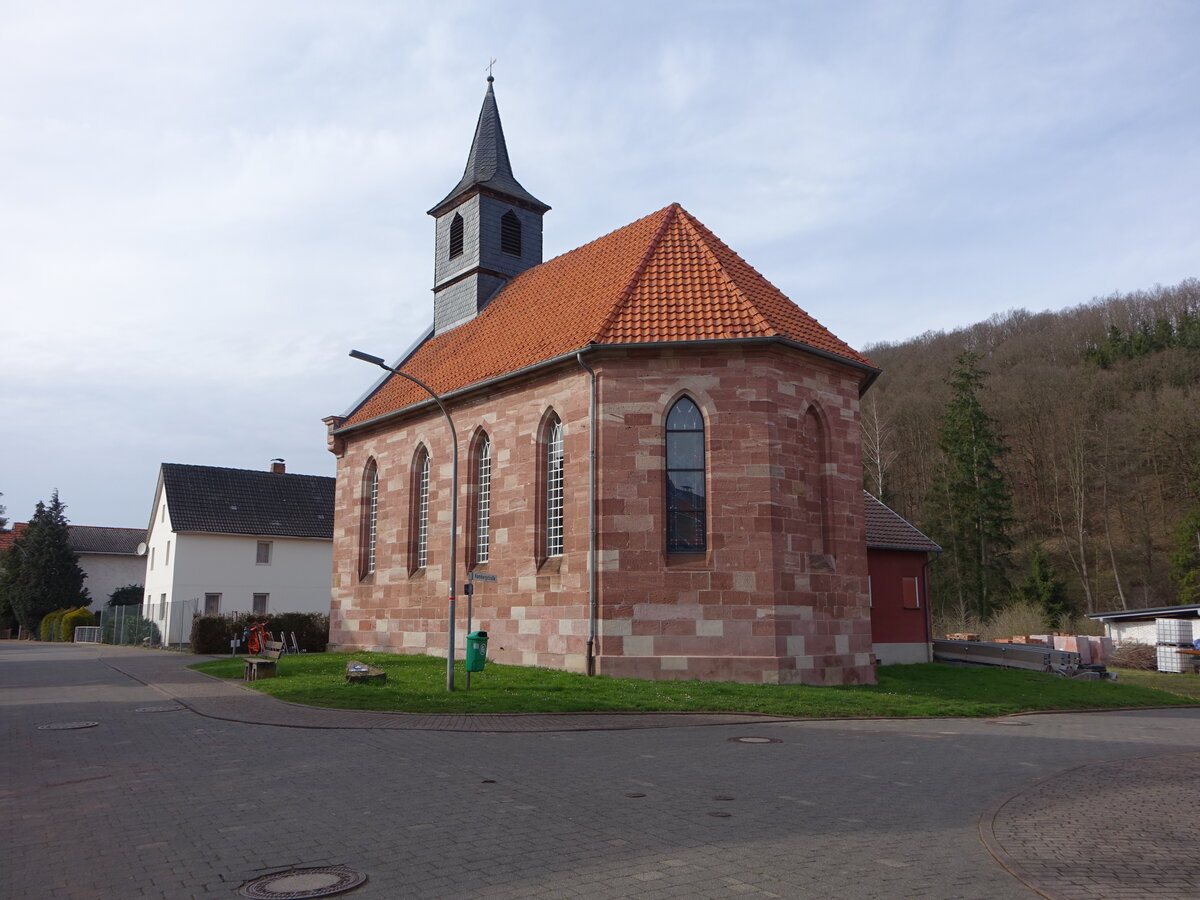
(1091,417)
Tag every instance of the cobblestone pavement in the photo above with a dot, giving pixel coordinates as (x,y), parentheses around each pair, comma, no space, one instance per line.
(1146,846)
(180,804)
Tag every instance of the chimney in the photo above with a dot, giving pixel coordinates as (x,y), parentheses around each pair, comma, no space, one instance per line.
(278,467)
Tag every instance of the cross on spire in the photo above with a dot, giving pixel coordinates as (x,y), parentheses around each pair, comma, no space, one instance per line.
(490,64)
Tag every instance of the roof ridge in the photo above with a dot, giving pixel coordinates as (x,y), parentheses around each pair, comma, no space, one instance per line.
(747,304)
(671,211)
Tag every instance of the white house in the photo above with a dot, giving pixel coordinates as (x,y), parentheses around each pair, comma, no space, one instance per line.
(109,557)
(1141,625)
(223,541)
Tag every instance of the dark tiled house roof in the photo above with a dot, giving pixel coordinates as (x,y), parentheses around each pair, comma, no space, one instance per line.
(99,539)
(663,278)
(887,530)
(215,500)
(89,538)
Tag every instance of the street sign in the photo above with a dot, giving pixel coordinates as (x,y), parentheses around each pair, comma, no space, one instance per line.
(480,576)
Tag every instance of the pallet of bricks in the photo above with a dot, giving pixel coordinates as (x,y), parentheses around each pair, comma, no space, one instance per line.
(1174,635)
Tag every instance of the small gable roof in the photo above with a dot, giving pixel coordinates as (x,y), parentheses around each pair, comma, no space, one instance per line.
(215,500)
(99,539)
(663,278)
(888,530)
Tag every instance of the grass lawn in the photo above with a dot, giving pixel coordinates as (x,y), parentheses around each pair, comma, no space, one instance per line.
(1183,685)
(418,684)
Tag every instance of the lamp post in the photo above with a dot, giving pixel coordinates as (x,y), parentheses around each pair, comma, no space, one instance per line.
(375,360)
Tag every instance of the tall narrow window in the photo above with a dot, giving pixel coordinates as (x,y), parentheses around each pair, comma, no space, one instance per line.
(212,604)
(510,233)
(167,560)
(483,501)
(263,554)
(687,530)
(260,604)
(554,488)
(456,236)
(370,520)
(421,523)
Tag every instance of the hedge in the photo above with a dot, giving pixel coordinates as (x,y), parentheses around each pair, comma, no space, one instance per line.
(212,634)
(73,618)
(48,628)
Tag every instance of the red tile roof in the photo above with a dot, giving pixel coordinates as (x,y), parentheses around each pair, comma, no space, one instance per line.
(7,537)
(662,278)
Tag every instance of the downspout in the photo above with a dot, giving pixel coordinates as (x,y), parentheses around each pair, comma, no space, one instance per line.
(591,564)
(929,606)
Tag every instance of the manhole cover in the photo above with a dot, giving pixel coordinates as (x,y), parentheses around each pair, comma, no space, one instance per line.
(67,726)
(755,740)
(299,884)
(723,797)
(720,814)
(157,708)
(634,794)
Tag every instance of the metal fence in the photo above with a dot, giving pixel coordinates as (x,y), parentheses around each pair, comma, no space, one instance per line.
(125,625)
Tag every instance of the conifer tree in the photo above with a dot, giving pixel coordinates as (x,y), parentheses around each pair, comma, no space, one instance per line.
(47,576)
(1042,587)
(970,505)
(1185,561)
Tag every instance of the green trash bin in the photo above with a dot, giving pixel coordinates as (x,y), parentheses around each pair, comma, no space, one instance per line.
(476,651)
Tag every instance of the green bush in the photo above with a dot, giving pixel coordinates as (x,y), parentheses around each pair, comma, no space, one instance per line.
(212,634)
(48,628)
(311,629)
(124,625)
(72,619)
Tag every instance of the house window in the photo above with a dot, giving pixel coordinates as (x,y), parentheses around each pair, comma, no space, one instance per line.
(212,604)
(152,549)
(263,557)
(687,530)
(162,606)
(370,519)
(483,501)
(510,233)
(162,514)
(167,558)
(260,604)
(456,236)
(420,527)
(554,487)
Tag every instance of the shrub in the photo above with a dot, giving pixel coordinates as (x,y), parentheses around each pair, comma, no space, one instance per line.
(70,620)
(48,628)
(1134,655)
(311,629)
(211,634)
(1021,617)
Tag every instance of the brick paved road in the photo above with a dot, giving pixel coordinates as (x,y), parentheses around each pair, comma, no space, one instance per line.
(177,804)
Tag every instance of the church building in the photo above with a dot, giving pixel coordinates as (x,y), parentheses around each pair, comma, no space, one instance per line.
(659,457)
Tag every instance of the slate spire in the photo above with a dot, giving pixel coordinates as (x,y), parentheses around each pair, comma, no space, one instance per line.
(488,169)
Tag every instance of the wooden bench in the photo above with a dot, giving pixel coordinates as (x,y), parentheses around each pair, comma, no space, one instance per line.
(265,666)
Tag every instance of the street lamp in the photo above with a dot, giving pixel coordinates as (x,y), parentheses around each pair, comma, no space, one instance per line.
(376,361)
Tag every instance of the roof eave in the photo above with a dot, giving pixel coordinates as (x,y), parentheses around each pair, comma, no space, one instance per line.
(592,349)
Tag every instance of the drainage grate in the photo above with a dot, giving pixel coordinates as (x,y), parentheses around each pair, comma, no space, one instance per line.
(300,884)
(147,709)
(755,740)
(67,726)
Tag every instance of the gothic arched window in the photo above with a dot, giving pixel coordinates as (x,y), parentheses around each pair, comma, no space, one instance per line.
(483,499)
(369,526)
(419,542)
(687,528)
(552,446)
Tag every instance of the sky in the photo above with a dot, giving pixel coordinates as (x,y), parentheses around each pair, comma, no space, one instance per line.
(206,205)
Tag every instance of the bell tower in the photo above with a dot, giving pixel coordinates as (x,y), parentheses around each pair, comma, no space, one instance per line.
(488,229)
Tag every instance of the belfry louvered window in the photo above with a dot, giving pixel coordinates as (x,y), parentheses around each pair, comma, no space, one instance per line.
(510,233)
(686,523)
(456,236)
(483,504)
(554,488)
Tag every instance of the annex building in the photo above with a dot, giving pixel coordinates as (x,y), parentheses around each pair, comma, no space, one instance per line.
(659,457)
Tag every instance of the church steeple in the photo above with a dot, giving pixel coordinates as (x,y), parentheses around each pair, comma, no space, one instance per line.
(489,228)
(488,168)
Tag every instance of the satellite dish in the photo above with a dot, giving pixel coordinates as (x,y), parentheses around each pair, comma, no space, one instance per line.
(141,549)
